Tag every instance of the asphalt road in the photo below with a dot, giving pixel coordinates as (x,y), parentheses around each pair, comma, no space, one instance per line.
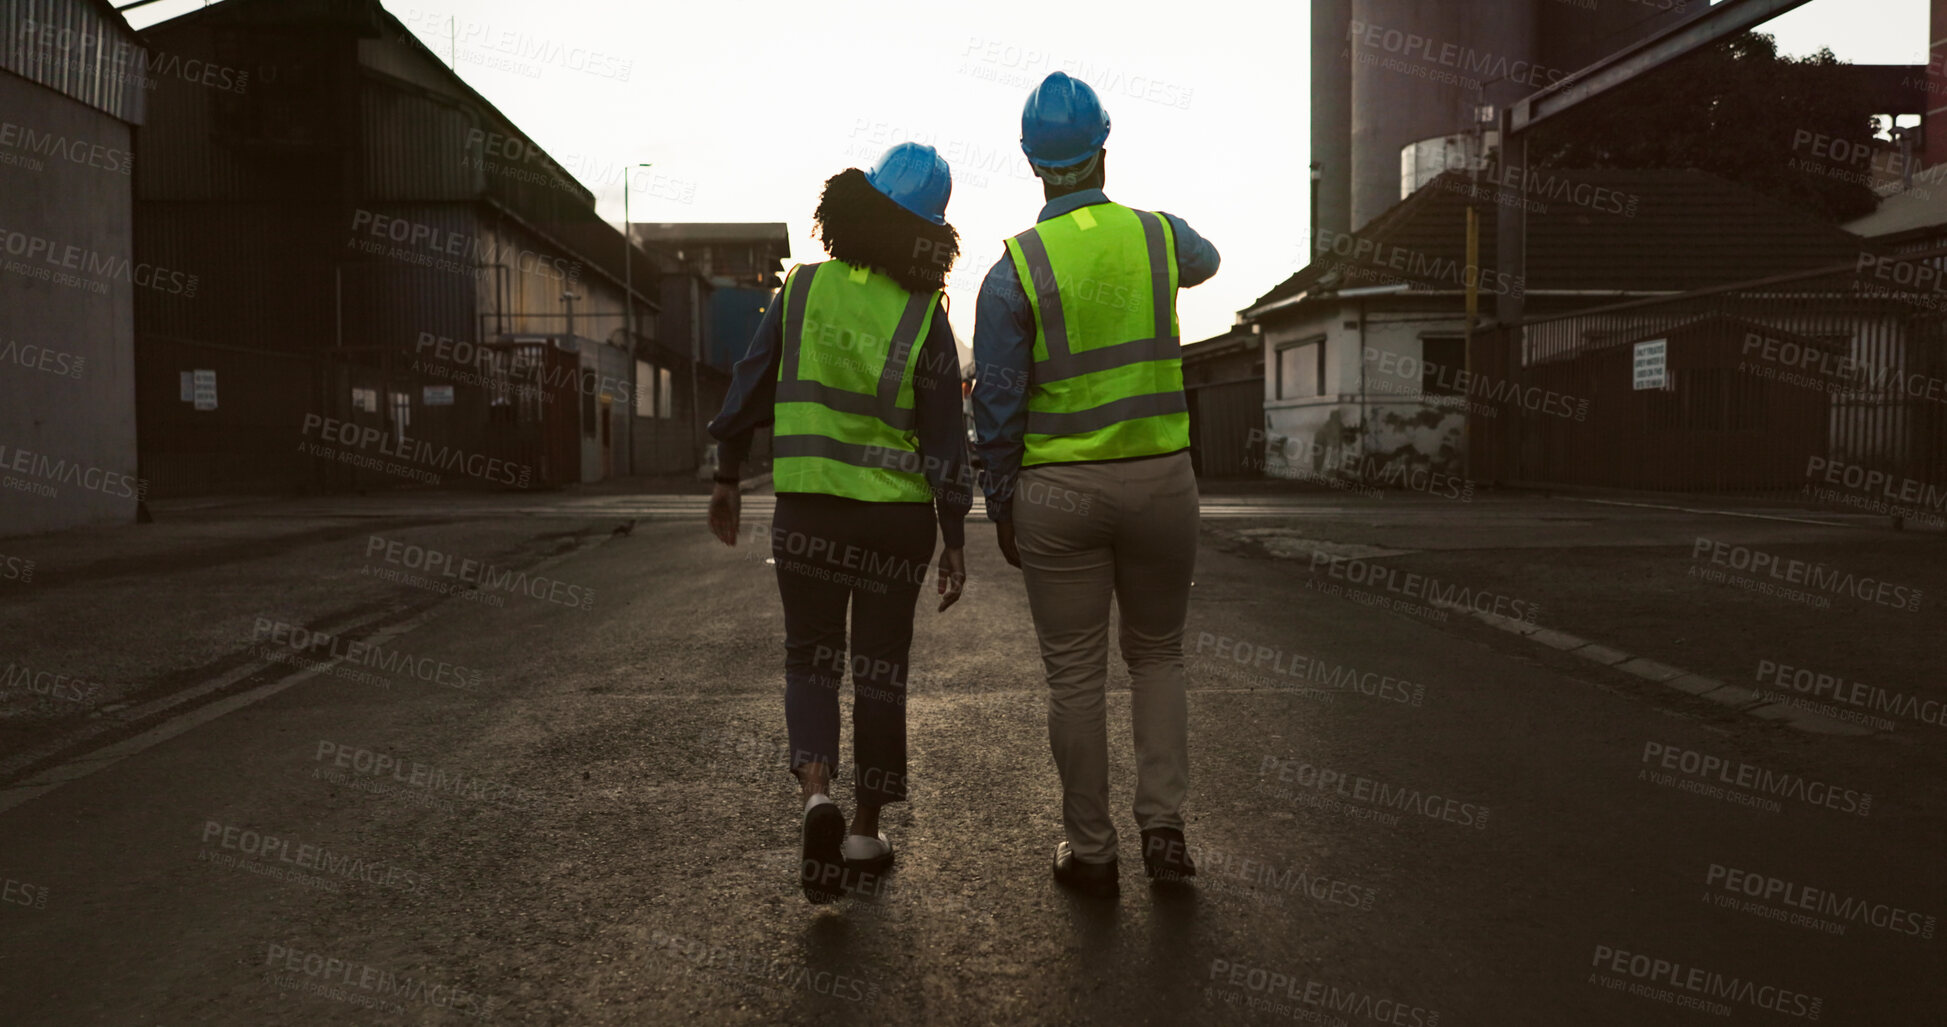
(598,829)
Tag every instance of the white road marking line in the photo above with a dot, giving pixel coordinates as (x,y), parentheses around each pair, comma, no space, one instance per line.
(101,759)
(1698,510)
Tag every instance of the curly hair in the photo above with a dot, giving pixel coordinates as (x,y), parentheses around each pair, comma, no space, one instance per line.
(863,227)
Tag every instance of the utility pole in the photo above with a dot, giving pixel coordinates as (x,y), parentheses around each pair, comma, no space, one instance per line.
(1311,245)
(1473,282)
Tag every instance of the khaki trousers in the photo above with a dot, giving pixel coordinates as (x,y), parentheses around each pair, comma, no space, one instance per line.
(1087,532)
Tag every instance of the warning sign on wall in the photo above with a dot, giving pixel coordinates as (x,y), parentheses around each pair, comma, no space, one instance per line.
(1652,364)
(205,382)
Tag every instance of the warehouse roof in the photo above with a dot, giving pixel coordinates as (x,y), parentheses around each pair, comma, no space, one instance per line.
(562,211)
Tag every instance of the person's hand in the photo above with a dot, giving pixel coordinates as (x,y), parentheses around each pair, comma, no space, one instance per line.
(953,575)
(1005,529)
(726,513)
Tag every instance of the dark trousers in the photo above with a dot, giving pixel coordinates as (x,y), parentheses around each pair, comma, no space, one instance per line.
(832,552)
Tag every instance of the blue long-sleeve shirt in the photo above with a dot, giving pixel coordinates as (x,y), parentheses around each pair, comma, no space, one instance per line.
(937,413)
(1004,349)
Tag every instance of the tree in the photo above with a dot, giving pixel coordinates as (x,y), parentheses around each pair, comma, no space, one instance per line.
(1739,111)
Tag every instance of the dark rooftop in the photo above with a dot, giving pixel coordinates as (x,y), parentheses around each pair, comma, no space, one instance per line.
(714,231)
(1237,336)
(1603,230)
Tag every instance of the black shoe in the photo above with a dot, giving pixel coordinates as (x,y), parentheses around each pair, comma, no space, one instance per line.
(821,866)
(1093,879)
(1165,858)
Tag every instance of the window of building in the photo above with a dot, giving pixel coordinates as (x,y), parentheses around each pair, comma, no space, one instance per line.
(664,406)
(645,393)
(1443,359)
(1301,369)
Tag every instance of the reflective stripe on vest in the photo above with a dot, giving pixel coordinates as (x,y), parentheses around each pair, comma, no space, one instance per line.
(845,420)
(1107,381)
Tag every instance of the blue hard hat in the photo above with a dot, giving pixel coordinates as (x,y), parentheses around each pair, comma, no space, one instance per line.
(915,176)
(1063,123)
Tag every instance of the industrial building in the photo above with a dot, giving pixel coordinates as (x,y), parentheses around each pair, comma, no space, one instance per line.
(742,265)
(73,84)
(688,390)
(1369,368)
(1367,373)
(396,285)
(719,278)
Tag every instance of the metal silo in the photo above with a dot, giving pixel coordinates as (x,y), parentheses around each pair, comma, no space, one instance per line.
(1419,71)
(1331,121)
(1388,74)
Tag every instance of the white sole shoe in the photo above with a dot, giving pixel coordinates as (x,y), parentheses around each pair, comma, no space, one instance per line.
(875,861)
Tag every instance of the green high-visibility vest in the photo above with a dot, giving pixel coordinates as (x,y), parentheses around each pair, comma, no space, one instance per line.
(1107,378)
(845,416)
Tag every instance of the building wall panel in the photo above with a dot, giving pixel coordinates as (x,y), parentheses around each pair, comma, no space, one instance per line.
(67,285)
(413,147)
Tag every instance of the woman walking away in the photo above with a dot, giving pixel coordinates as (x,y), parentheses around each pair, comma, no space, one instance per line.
(857,369)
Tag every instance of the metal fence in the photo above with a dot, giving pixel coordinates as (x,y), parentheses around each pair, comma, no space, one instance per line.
(1828,386)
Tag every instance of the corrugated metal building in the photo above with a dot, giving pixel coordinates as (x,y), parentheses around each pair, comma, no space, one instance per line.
(376,245)
(73,85)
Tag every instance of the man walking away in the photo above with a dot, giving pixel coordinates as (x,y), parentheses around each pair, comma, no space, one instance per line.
(1079,409)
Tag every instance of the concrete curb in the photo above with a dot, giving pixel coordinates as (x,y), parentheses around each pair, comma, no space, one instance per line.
(1743,700)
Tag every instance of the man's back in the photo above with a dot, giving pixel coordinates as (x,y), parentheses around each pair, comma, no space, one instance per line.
(1081,418)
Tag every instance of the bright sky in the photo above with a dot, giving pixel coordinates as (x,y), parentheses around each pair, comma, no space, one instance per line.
(747,108)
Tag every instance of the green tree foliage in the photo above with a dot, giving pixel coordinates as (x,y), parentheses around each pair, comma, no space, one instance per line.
(1734,110)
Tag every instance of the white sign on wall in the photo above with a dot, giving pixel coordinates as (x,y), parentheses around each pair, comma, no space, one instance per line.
(437,395)
(1652,365)
(206,390)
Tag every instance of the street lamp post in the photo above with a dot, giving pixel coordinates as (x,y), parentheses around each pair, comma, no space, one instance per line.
(628,300)
(628,254)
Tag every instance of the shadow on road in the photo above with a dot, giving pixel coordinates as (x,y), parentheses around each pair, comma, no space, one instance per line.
(1172,976)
